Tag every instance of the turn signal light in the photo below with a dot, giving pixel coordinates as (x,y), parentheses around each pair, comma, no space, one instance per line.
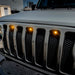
(12,27)
(55,32)
(29,29)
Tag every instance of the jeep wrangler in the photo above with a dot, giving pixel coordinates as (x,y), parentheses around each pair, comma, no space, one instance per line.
(42,39)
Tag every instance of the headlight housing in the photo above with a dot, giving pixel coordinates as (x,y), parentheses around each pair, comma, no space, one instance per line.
(0,32)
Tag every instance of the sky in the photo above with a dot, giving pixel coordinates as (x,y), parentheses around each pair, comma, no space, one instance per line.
(25,2)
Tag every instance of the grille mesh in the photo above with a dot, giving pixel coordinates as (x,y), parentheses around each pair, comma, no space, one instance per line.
(52,52)
(28,46)
(19,42)
(67,55)
(40,46)
(11,43)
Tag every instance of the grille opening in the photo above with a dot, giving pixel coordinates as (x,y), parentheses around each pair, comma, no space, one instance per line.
(19,41)
(40,36)
(4,39)
(28,45)
(67,57)
(52,53)
(11,42)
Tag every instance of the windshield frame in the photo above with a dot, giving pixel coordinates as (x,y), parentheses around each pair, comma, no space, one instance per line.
(65,5)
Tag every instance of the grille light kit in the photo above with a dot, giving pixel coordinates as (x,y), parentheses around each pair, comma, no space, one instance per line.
(29,29)
(12,27)
(55,32)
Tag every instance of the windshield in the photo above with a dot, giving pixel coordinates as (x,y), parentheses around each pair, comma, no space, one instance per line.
(56,4)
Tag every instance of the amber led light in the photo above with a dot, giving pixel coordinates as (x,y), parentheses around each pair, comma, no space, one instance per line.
(29,29)
(12,27)
(55,32)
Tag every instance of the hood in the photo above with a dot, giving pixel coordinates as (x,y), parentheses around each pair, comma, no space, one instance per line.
(58,17)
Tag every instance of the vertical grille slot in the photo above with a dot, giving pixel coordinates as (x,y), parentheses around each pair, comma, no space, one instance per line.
(11,43)
(4,38)
(19,41)
(40,36)
(52,51)
(67,56)
(28,45)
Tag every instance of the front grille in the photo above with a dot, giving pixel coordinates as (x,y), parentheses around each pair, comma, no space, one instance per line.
(42,49)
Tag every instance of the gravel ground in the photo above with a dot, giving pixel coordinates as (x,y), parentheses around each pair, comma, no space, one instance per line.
(8,67)
(12,68)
